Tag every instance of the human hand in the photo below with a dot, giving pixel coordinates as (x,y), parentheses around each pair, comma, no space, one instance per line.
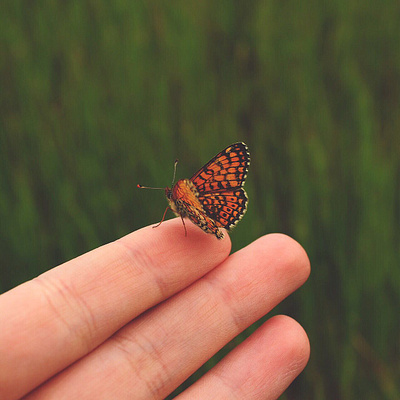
(136,317)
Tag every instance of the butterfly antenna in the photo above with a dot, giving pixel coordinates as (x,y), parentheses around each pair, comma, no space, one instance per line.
(173,177)
(147,187)
(158,188)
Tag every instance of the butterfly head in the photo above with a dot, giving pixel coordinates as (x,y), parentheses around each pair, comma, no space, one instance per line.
(168,193)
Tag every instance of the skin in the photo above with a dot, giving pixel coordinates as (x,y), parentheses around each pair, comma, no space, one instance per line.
(136,317)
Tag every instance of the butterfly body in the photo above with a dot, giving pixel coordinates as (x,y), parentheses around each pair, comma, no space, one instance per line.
(213,198)
(184,201)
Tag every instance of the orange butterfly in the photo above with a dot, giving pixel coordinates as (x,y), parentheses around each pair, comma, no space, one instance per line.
(213,197)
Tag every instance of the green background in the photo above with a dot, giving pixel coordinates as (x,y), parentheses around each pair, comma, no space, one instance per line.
(97,96)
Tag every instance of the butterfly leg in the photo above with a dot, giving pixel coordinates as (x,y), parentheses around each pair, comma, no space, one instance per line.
(183,221)
(163,217)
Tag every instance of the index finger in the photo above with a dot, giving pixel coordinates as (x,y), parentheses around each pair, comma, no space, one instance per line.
(55,319)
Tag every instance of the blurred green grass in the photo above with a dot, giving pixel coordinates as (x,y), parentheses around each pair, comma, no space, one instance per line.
(96,97)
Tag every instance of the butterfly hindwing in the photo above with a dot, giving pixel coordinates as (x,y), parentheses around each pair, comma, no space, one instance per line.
(225,208)
(202,220)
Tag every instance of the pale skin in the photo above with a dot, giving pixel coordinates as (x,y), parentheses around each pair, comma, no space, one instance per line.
(134,318)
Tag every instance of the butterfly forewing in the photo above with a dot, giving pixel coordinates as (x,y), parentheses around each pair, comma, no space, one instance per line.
(227,170)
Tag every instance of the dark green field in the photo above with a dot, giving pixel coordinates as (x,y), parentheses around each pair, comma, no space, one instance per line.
(97,96)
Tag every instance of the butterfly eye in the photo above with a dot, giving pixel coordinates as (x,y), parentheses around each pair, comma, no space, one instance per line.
(168,193)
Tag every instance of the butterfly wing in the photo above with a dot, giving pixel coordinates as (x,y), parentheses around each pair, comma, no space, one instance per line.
(227,170)
(219,185)
(225,208)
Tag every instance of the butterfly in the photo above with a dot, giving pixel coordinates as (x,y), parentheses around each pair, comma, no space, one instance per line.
(213,198)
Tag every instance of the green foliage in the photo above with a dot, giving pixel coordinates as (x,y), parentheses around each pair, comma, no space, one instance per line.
(97,96)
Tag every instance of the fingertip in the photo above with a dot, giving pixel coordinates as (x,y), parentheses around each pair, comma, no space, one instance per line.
(288,255)
(294,345)
(170,240)
(173,229)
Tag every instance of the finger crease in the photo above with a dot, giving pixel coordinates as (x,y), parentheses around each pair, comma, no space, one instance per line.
(226,294)
(156,381)
(58,294)
(141,260)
